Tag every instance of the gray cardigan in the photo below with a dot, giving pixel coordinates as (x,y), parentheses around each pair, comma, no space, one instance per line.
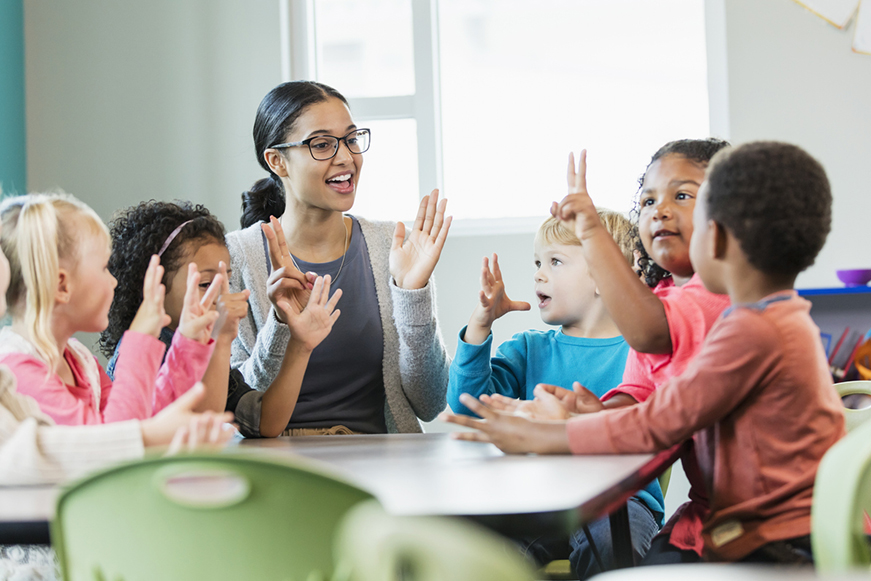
(415,365)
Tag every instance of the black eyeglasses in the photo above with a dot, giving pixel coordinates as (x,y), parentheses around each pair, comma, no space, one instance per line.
(324,147)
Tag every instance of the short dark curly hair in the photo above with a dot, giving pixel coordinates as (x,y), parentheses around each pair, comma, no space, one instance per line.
(776,200)
(699,151)
(139,232)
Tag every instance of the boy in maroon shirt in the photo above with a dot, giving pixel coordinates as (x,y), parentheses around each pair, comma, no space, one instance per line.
(758,398)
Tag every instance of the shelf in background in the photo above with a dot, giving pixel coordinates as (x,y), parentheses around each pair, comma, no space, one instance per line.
(842,290)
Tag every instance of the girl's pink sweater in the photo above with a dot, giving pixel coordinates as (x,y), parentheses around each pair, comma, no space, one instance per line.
(143,386)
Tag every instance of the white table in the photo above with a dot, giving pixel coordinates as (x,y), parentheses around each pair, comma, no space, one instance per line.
(426,474)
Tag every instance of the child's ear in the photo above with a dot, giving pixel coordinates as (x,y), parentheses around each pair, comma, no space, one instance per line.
(720,240)
(64,290)
(276,162)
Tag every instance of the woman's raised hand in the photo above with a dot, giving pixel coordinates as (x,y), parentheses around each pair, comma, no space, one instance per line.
(577,209)
(412,260)
(197,317)
(286,283)
(310,326)
(151,316)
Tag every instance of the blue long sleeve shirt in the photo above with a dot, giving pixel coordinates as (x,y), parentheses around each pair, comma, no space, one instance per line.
(534,357)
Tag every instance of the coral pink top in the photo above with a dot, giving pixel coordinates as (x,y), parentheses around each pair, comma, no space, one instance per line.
(691,311)
(143,387)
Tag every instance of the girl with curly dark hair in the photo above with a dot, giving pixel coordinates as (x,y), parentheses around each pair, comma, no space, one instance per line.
(190,242)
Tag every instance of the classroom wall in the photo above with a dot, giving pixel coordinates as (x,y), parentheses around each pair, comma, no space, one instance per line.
(129,101)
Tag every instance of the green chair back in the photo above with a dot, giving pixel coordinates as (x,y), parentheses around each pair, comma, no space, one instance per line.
(855,390)
(373,546)
(841,503)
(227,516)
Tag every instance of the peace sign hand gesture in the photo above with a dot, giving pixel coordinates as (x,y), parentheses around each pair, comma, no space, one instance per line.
(197,317)
(286,284)
(577,210)
(413,260)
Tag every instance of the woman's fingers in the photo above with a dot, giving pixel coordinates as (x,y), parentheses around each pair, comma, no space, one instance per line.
(429,217)
(334,300)
(472,437)
(290,278)
(439,220)
(421,214)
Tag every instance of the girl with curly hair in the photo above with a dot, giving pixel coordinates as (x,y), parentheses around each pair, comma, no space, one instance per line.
(58,249)
(190,241)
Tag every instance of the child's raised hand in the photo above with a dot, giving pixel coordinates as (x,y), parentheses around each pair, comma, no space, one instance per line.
(511,433)
(197,316)
(310,326)
(577,209)
(492,303)
(578,400)
(286,283)
(232,307)
(412,260)
(151,317)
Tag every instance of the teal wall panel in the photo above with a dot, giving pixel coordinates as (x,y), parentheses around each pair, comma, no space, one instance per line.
(13,144)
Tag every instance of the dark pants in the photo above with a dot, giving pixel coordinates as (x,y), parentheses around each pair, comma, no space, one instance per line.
(642,524)
(795,551)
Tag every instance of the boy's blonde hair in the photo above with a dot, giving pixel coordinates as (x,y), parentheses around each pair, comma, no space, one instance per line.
(618,226)
(40,230)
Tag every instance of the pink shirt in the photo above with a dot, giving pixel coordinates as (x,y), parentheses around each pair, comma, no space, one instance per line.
(143,387)
(759,403)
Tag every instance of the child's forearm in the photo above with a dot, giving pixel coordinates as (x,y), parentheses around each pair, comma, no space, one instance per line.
(280,398)
(621,400)
(637,312)
(216,378)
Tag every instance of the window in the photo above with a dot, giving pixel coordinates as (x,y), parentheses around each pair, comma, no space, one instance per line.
(489,96)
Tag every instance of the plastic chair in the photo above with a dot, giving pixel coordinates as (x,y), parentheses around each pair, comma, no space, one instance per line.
(855,390)
(841,503)
(374,546)
(227,516)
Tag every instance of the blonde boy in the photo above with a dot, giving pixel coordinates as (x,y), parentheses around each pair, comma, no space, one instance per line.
(587,347)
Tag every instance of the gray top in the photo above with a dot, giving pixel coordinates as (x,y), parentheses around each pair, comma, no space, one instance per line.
(414,364)
(350,394)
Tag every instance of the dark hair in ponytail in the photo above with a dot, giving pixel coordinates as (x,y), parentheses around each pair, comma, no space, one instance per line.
(276,116)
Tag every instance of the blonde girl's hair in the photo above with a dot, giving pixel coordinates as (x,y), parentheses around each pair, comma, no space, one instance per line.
(618,226)
(39,231)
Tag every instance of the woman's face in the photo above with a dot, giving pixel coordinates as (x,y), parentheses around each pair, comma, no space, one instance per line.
(327,184)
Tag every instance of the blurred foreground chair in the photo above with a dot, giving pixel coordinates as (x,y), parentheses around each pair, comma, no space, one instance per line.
(841,505)
(374,546)
(856,396)
(226,516)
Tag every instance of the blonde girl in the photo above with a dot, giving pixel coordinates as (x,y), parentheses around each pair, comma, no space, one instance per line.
(58,249)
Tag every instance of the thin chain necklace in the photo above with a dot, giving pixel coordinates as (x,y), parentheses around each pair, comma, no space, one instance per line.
(344,253)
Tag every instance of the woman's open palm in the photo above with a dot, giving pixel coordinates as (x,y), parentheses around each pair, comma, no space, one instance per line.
(413,260)
(311,325)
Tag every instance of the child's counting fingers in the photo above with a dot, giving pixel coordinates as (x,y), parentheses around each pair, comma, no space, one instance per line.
(213,291)
(477,407)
